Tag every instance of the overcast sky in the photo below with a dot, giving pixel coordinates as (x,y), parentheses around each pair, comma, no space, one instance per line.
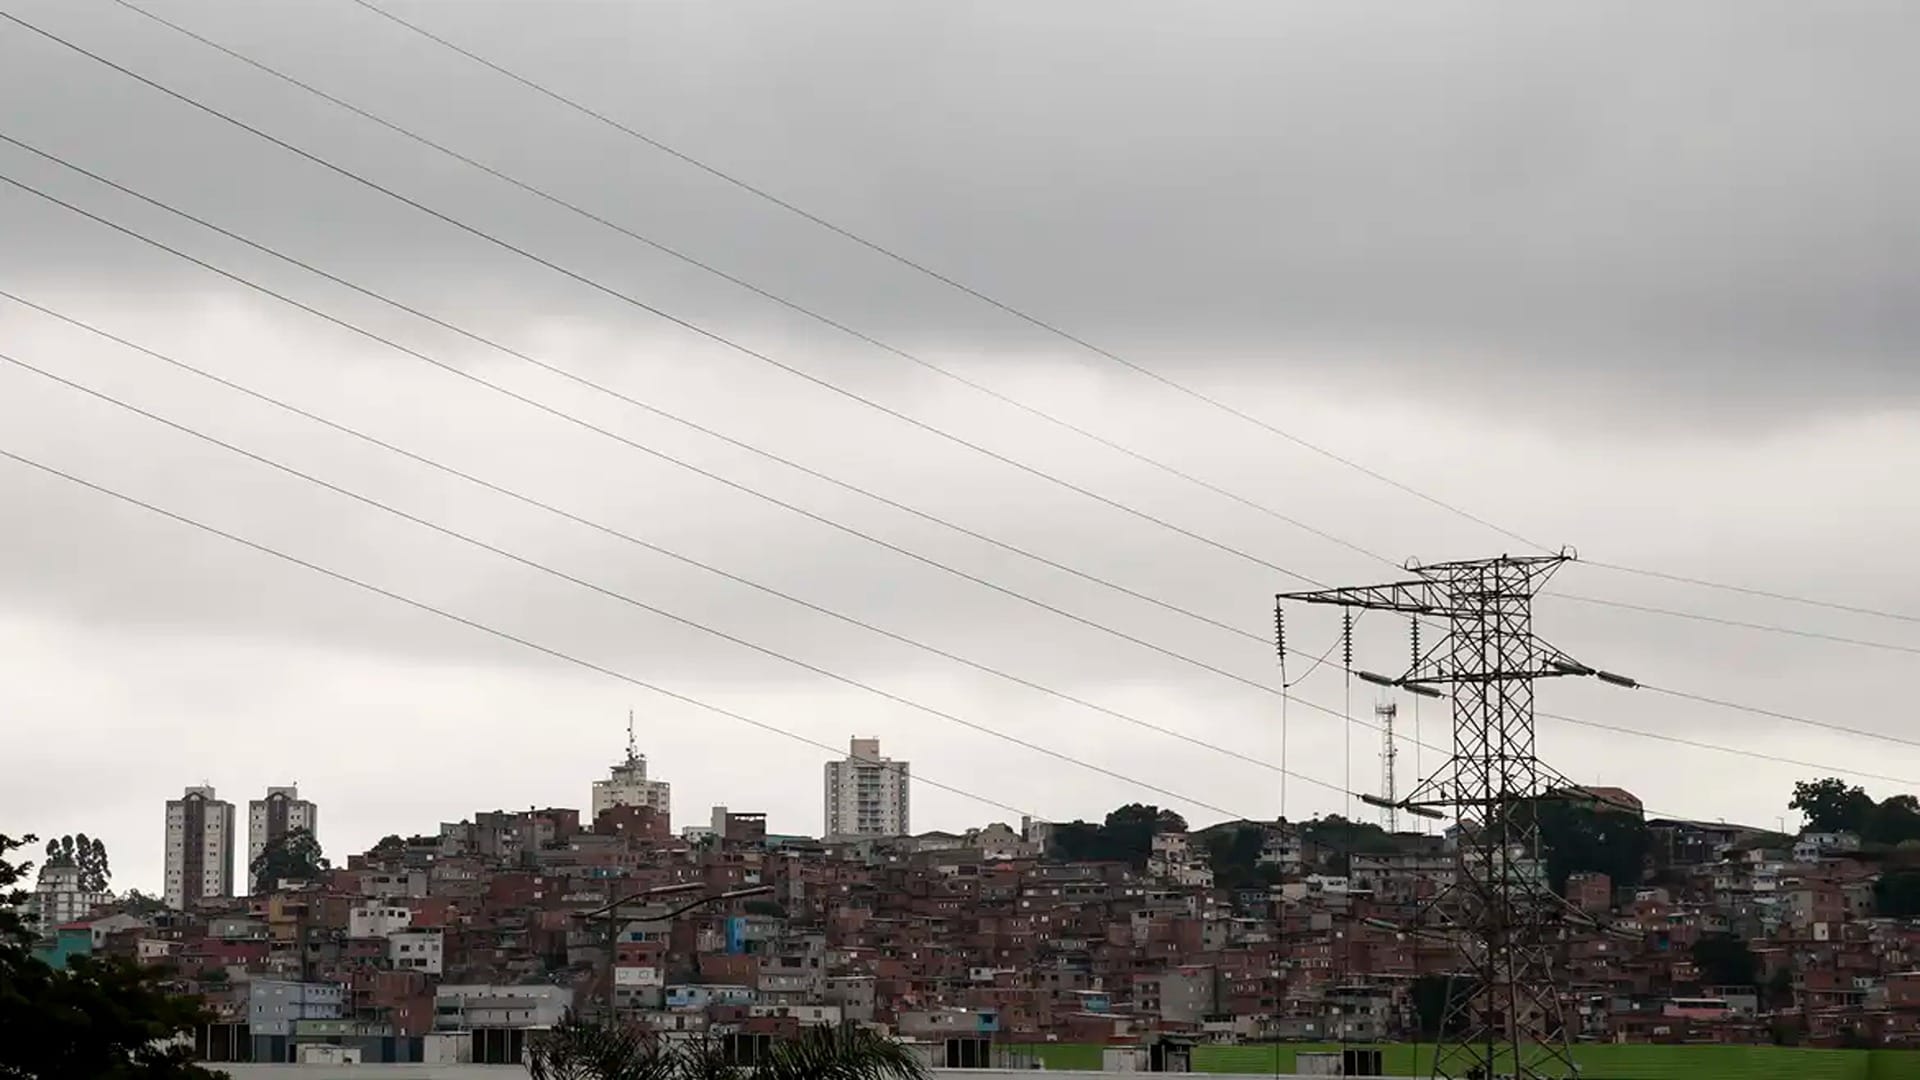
(1636,282)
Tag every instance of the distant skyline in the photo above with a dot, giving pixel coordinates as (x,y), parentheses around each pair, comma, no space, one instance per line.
(1634,282)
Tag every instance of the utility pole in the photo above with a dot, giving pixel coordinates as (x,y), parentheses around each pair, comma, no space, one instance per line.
(1504,1015)
(616,912)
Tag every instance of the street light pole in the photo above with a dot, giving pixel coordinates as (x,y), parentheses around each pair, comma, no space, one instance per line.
(611,911)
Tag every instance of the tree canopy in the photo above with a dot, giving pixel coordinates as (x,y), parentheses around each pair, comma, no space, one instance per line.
(1725,960)
(1234,856)
(88,856)
(1832,805)
(1125,836)
(104,1019)
(292,856)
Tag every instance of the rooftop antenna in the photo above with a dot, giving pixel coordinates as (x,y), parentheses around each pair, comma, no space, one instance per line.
(632,750)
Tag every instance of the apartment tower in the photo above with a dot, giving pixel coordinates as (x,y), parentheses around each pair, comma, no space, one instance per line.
(269,819)
(866,794)
(200,841)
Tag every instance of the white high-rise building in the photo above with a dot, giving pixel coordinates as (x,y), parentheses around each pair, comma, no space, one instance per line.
(866,794)
(200,843)
(57,898)
(627,785)
(268,819)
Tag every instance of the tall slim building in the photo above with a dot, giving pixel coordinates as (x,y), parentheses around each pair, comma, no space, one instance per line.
(200,842)
(627,785)
(866,794)
(268,819)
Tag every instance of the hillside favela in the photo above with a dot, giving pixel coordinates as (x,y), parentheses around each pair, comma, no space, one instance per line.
(1132,941)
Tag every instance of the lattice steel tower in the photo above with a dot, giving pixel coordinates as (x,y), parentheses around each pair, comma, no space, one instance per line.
(1504,1015)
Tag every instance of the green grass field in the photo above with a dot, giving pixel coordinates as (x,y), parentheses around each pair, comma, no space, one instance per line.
(1596,1062)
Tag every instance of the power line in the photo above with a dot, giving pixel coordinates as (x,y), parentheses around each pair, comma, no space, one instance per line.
(666,249)
(1770,628)
(614,594)
(1051,328)
(936,275)
(472,623)
(1789,717)
(1203,665)
(663,456)
(1698,745)
(571,376)
(1749,591)
(686,324)
(609,530)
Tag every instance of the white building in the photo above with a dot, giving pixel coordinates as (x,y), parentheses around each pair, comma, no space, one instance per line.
(417,950)
(378,920)
(275,1005)
(200,847)
(462,1008)
(866,794)
(268,819)
(57,898)
(627,785)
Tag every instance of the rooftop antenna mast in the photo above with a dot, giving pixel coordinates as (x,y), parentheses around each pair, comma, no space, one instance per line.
(633,750)
(1504,1014)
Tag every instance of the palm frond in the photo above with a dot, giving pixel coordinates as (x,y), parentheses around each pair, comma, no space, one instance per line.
(576,1049)
(840,1053)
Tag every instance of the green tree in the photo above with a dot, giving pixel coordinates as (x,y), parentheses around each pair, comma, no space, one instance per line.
(292,856)
(1725,960)
(1125,836)
(1580,838)
(103,1019)
(1897,894)
(1234,856)
(577,1050)
(1831,805)
(1894,821)
(1780,989)
(139,903)
(1429,994)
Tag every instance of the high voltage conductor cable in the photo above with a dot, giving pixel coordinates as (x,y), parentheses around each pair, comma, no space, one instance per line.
(1789,717)
(1051,328)
(613,594)
(1768,594)
(1742,624)
(646,544)
(686,324)
(825,320)
(1416,741)
(475,624)
(663,456)
(1718,748)
(570,376)
(951,282)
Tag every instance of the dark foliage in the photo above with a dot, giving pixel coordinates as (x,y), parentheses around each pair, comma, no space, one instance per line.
(578,1050)
(294,856)
(99,1019)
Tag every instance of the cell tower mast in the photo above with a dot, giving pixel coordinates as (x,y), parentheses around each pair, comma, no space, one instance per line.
(1504,1014)
(1384,712)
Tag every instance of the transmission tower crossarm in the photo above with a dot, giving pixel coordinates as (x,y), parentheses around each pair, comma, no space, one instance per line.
(1415,597)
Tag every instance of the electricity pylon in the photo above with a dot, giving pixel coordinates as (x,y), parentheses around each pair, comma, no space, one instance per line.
(1504,1015)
